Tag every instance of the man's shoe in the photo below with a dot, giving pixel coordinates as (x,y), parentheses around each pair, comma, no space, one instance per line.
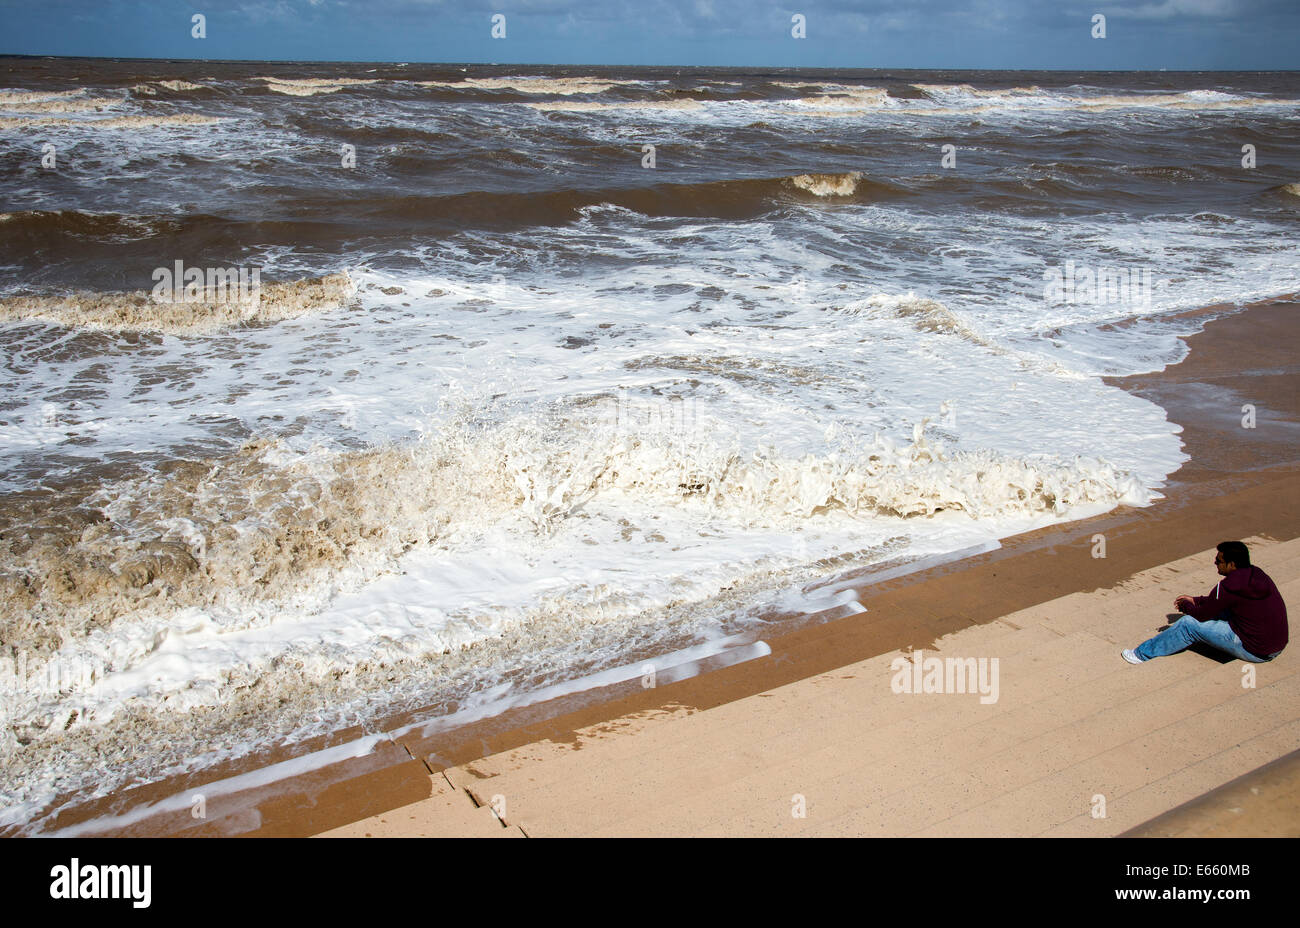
(1131,656)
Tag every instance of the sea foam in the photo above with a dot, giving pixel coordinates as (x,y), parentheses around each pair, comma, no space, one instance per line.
(138,311)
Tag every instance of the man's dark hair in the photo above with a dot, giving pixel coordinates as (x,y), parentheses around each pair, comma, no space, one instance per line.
(1234,552)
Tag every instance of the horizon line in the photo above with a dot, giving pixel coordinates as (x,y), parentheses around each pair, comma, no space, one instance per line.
(698,67)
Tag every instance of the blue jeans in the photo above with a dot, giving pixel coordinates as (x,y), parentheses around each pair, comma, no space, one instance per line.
(1217,633)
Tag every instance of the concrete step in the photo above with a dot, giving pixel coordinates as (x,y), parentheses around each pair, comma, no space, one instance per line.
(897,750)
(901,801)
(1182,786)
(1118,723)
(1067,688)
(789,707)
(1204,724)
(820,749)
(1279,561)
(1068,616)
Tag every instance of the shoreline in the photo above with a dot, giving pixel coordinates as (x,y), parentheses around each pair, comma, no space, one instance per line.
(1230,487)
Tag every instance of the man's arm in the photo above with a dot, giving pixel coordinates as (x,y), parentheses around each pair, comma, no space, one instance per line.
(1227,594)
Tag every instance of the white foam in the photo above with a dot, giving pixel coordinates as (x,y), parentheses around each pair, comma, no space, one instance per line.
(596,106)
(100,123)
(667,668)
(564,86)
(310,86)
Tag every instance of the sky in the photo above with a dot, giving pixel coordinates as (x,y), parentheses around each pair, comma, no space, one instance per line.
(1011,34)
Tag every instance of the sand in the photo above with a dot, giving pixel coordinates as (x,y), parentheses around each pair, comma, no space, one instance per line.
(735,750)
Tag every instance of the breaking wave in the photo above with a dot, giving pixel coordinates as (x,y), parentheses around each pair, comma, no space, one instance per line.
(829,185)
(61,104)
(271,524)
(562,86)
(837,95)
(310,86)
(588,106)
(151,89)
(138,311)
(924,314)
(112,122)
(1035,97)
(35,96)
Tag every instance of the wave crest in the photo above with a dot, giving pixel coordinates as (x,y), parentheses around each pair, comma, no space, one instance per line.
(562,86)
(62,105)
(151,89)
(137,311)
(925,315)
(310,86)
(582,106)
(267,524)
(829,185)
(112,122)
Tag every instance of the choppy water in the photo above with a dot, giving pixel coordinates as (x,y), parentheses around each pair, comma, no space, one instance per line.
(513,406)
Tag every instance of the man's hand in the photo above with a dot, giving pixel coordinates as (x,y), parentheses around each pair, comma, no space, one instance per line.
(1183,603)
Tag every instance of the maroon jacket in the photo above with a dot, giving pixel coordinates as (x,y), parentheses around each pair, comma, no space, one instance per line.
(1254,608)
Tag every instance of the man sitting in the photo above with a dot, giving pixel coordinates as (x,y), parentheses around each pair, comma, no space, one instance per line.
(1243,615)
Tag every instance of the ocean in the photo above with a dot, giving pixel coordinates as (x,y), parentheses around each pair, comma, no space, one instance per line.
(337,392)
